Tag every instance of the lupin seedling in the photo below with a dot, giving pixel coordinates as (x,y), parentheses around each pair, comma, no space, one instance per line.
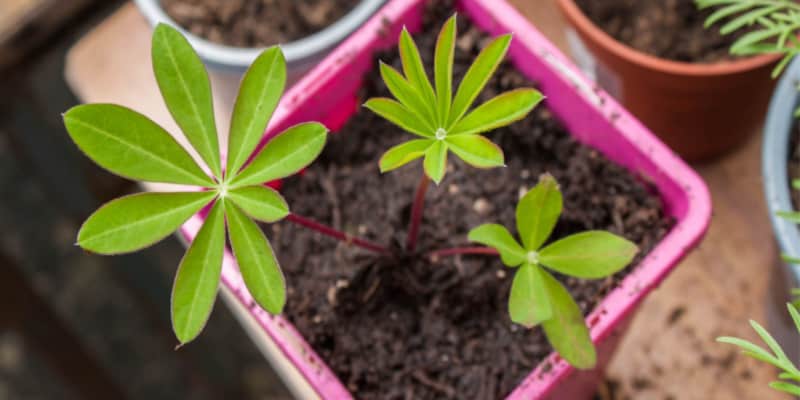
(131,145)
(443,122)
(536,296)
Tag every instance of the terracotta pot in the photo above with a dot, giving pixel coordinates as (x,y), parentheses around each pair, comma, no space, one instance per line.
(699,110)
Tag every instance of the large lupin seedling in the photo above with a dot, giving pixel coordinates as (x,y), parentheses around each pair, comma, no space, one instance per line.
(131,145)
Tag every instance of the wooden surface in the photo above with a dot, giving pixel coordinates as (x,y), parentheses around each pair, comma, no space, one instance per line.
(670,352)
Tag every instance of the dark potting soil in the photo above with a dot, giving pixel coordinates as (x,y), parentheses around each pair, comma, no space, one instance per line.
(671,29)
(255,23)
(407,328)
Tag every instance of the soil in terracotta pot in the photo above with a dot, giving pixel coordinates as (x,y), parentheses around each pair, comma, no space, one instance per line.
(407,328)
(794,164)
(671,29)
(255,23)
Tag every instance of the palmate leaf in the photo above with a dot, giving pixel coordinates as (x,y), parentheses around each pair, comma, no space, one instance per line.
(197,279)
(131,145)
(589,255)
(538,211)
(498,237)
(259,93)
(567,330)
(184,84)
(257,263)
(529,301)
(536,296)
(433,113)
(284,155)
(134,222)
(260,202)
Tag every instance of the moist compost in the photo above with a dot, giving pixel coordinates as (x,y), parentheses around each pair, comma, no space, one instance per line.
(255,23)
(671,29)
(409,328)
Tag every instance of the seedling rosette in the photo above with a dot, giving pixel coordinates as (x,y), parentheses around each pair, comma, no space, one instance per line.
(131,145)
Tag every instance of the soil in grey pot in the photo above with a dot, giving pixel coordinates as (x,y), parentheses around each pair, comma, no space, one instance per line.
(255,23)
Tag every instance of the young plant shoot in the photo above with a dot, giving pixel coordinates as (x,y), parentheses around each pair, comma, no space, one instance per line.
(536,296)
(442,122)
(777,22)
(789,377)
(131,145)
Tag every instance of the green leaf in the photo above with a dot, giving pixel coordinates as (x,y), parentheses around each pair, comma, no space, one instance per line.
(477,75)
(413,68)
(770,342)
(404,153)
(538,211)
(443,68)
(260,270)
(751,350)
(197,280)
(131,145)
(500,111)
(497,237)
(184,85)
(408,96)
(785,387)
(529,301)
(476,150)
(285,154)
(435,163)
(591,254)
(259,93)
(794,314)
(399,115)
(566,330)
(790,216)
(259,202)
(134,222)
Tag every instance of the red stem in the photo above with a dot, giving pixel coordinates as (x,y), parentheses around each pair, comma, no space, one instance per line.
(436,255)
(328,231)
(416,213)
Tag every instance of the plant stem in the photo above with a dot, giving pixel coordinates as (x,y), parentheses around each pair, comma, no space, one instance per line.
(336,234)
(437,254)
(416,213)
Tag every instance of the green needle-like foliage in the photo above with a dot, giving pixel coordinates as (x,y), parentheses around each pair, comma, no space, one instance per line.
(131,145)
(777,22)
(536,296)
(441,120)
(790,375)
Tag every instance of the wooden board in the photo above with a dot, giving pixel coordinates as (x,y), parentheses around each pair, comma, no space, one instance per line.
(670,351)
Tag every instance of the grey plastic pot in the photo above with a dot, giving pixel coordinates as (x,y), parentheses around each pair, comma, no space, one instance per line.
(775,157)
(227,64)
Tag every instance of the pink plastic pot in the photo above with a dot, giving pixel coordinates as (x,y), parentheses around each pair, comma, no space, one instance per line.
(328,94)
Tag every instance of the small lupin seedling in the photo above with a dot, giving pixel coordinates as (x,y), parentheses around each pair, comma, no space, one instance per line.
(536,296)
(442,122)
(131,145)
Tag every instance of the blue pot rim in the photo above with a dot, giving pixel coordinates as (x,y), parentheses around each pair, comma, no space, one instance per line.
(774,163)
